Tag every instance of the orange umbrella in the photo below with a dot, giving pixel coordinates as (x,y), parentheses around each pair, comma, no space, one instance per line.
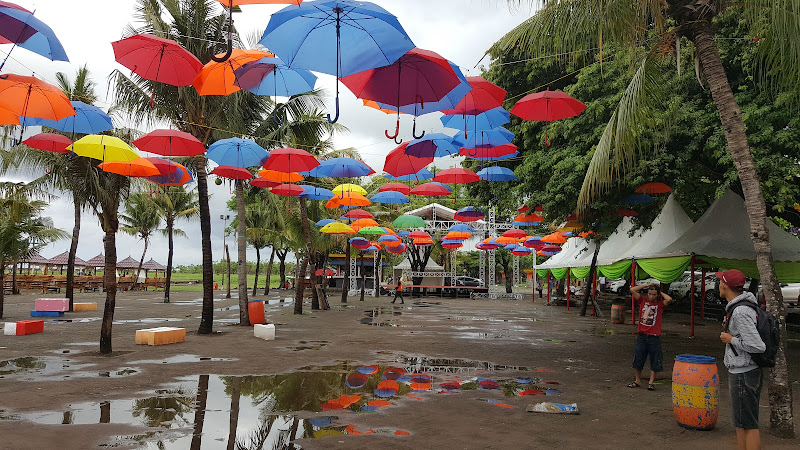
(8,118)
(653,188)
(506,240)
(554,238)
(139,167)
(348,199)
(375,105)
(361,223)
(217,78)
(457,235)
(32,97)
(282,177)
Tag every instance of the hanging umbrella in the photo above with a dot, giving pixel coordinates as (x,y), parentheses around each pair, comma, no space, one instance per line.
(625,212)
(397,187)
(372,230)
(515,233)
(8,117)
(430,190)
(653,188)
(18,26)
(157,59)
(388,238)
(164,166)
(637,199)
(526,220)
(461,227)
(511,246)
(550,249)
(534,242)
(456,175)
(423,174)
(483,97)
(422,242)
(547,106)
(179,178)
(139,167)
(390,197)
(105,148)
(359,242)
(336,228)
(344,188)
(554,238)
(451,245)
(398,163)
(324,222)
(280,177)
(397,249)
(170,143)
(490,153)
(487,138)
(524,208)
(503,240)
(232,172)
(469,214)
(271,76)
(432,145)
(457,235)
(31,97)
(341,167)
(365,222)
(328,273)
(88,119)
(315,193)
(485,246)
(50,142)
(337,37)
(291,160)
(263,182)
(217,78)
(419,234)
(409,221)
(496,173)
(287,190)
(237,152)
(348,199)
(359,214)
(487,120)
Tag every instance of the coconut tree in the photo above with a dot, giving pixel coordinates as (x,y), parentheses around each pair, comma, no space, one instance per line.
(139,220)
(571,27)
(174,203)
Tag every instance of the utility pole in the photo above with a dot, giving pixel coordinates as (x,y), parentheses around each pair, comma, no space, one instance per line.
(225,218)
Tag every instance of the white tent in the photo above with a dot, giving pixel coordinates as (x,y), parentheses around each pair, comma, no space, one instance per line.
(617,243)
(573,249)
(671,223)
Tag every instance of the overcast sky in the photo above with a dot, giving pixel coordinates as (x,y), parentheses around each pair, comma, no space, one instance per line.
(459,30)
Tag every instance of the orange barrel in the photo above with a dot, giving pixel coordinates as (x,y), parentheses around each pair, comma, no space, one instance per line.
(695,391)
(617,314)
(255,310)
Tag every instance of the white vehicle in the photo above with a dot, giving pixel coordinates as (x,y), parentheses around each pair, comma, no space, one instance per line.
(791,297)
(617,285)
(681,287)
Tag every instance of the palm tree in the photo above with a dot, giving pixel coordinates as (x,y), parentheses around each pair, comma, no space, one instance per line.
(140,220)
(174,203)
(571,27)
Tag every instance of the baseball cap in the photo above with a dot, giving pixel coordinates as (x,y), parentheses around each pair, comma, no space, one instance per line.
(733,277)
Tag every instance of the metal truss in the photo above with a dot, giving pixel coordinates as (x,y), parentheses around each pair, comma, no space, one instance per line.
(516,271)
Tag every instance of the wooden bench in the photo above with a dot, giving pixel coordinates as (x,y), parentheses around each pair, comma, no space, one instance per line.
(124,283)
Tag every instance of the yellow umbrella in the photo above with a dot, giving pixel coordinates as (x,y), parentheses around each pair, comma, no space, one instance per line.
(342,188)
(336,228)
(105,148)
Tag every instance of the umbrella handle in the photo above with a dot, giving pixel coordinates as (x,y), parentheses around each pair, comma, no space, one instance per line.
(275,117)
(228,52)
(396,132)
(336,117)
(414,131)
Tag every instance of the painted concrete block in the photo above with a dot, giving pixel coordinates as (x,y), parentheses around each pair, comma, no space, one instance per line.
(47,314)
(10,329)
(51,304)
(160,336)
(29,327)
(266,332)
(84,306)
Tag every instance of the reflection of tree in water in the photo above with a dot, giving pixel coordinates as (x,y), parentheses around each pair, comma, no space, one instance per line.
(162,410)
(299,391)
(27,362)
(265,438)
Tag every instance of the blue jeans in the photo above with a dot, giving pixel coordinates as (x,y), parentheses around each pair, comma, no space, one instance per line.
(648,345)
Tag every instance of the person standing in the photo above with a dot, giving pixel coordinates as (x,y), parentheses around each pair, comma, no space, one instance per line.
(648,338)
(741,338)
(399,290)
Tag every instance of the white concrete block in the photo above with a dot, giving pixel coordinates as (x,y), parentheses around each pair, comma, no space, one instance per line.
(266,332)
(10,329)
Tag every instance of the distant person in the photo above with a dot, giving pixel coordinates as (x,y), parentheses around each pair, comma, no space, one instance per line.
(741,337)
(602,281)
(398,292)
(540,287)
(648,338)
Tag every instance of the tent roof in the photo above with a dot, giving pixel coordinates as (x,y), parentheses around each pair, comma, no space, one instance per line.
(430,267)
(61,260)
(567,253)
(724,232)
(128,263)
(437,212)
(97,261)
(617,243)
(671,223)
(153,265)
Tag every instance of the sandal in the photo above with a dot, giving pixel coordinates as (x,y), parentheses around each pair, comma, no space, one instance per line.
(651,387)
(633,385)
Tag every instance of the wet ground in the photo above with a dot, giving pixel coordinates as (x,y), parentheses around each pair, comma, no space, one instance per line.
(427,374)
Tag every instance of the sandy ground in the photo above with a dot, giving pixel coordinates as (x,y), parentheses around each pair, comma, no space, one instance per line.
(588,357)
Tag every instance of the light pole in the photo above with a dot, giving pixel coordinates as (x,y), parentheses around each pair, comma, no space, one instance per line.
(225,218)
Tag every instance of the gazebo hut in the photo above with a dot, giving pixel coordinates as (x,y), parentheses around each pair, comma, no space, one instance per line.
(97,261)
(157,267)
(60,260)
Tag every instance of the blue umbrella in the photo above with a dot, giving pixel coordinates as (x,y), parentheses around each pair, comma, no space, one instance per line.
(432,144)
(237,152)
(388,238)
(390,197)
(88,119)
(423,174)
(510,246)
(493,137)
(461,227)
(371,248)
(337,37)
(316,193)
(469,212)
(21,28)
(403,233)
(497,173)
(637,199)
(324,222)
(271,76)
(341,167)
(479,157)
(488,120)
(358,240)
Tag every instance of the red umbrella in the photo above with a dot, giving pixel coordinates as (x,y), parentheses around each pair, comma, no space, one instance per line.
(524,208)
(164,166)
(419,234)
(653,188)
(287,190)
(398,163)
(515,233)
(430,190)
(291,160)
(398,187)
(327,272)
(157,59)
(359,214)
(547,106)
(483,97)
(264,182)
(551,249)
(494,152)
(456,175)
(50,142)
(626,212)
(170,143)
(232,172)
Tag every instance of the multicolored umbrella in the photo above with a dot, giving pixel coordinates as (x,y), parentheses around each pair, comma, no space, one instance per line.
(483,97)
(271,76)
(18,26)
(359,242)
(157,59)
(237,152)
(170,143)
(178,178)
(534,242)
(50,142)
(432,145)
(469,214)
(399,163)
(388,238)
(164,166)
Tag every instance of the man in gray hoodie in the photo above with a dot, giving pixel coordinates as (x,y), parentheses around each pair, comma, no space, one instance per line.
(745,377)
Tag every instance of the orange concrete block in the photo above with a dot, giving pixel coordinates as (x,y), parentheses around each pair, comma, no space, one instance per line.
(160,336)
(84,306)
(29,327)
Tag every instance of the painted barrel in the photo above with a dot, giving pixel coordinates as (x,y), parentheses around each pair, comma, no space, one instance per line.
(617,314)
(255,311)
(695,391)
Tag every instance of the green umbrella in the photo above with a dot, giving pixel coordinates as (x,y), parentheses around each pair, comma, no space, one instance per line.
(409,221)
(372,230)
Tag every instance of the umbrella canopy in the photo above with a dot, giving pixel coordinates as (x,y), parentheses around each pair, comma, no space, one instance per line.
(105,148)
(341,167)
(271,76)
(88,119)
(515,233)
(490,153)
(484,138)
(324,222)
(164,166)
(397,249)
(397,187)
(232,172)
(493,118)
(637,199)
(178,178)
(534,242)
(359,214)
(237,152)
(504,240)
(315,193)
(336,228)
(483,97)
(287,190)
(547,106)
(653,188)
(359,242)
(372,230)
(422,242)
(451,245)
(218,78)
(364,222)
(462,227)
(432,145)
(399,163)
(263,182)
(421,175)
(456,175)
(389,238)
(18,26)
(390,197)
(430,190)
(328,273)
(170,143)
(457,235)
(496,173)
(625,212)
(409,221)
(554,238)
(348,199)
(32,97)
(469,214)
(550,249)
(419,234)
(344,188)
(139,167)
(157,59)
(280,177)
(258,2)
(291,160)
(8,117)
(50,142)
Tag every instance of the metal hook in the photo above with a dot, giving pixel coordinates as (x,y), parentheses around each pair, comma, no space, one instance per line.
(414,130)
(336,117)
(228,52)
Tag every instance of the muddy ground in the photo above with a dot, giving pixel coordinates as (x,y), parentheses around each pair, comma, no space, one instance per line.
(64,379)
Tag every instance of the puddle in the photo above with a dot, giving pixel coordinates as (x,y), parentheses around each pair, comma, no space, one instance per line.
(181,359)
(308,345)
(381,316)
(147,320)
(35,368)
(64,351)
(84,344)
(474,335)
(228,308)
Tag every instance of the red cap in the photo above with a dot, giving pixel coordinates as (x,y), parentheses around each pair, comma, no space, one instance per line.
(733,277)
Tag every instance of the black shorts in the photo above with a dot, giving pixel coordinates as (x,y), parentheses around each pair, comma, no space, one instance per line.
(648,345)
(745,394)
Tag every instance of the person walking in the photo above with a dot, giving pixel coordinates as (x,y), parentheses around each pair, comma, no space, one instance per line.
(741,338)
(648,338)
(398,292)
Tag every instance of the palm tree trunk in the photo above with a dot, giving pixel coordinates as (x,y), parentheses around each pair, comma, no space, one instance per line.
(241,247)
(588,289)
(282,269)
(309,244)
(73,250)
(141,262)
(2,285)
(228,273)
(207,315)
(780,393)
(171,245)
(300,286)
(269,271)
(110,226)
(376,279)
(346,279)
(258,267)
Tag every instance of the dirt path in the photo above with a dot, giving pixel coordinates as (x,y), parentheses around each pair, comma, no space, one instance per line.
(586,358)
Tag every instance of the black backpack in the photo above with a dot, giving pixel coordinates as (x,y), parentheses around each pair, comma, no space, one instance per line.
(769,330)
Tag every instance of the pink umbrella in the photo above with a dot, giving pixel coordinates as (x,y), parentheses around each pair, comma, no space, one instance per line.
(287,190)
(430,190)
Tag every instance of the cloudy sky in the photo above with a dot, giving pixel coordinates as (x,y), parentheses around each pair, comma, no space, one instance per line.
(459,30)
